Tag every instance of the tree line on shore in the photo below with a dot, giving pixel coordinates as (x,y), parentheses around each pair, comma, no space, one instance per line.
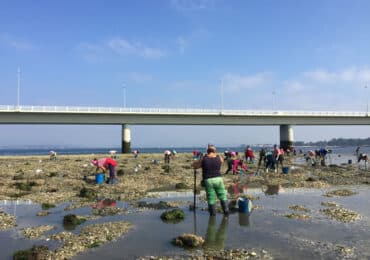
(337,142)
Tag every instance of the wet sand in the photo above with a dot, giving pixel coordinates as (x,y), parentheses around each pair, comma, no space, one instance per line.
(41,180)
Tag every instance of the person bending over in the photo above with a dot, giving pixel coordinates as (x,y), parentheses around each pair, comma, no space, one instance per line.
(104,164)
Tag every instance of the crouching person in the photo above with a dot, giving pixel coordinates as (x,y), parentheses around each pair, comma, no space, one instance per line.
(214,184)
(104,164)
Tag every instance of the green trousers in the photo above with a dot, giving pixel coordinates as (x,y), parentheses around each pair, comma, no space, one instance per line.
(215,187)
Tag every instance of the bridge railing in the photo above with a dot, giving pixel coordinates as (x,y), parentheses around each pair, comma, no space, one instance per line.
(125,110)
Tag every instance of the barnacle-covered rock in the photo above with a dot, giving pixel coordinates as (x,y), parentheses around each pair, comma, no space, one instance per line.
(188,241)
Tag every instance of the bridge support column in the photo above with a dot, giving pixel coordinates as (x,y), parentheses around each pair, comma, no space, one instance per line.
(286,136)
(126,139)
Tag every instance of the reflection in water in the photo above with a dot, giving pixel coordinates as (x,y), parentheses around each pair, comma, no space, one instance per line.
(103,203)
(273,189)
(244,219)
(215,239)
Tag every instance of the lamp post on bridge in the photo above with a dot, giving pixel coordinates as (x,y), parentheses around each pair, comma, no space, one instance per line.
(18,86)
(273,99)
(367,100)
(222,95)
(124,95)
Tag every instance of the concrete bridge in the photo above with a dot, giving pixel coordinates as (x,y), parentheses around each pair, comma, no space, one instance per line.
(170,116)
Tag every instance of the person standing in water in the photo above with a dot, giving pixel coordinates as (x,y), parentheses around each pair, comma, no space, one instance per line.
(214,184)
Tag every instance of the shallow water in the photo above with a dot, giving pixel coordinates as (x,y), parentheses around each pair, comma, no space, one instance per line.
(265,228)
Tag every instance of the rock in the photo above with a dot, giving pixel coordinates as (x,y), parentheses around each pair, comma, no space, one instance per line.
(329,204)
(6,221)
(188,241)
(36,252)
(36,232)
(181,186)
(343,192)
(341,214)
(174,216)
(46,206)
(70,221)
(42,213)
(299,208)
(88,193)
(298,216)
(90,236)
(159,205)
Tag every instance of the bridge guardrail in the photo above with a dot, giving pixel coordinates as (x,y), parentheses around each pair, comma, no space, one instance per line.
(83,109)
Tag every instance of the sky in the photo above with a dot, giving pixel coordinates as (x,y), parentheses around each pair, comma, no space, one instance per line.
(267,55)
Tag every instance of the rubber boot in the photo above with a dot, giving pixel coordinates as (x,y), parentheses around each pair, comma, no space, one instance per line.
(212,210)
(225,208)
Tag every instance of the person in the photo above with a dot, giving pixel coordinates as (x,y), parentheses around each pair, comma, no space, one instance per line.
(53,155)
(239,166)
(167,156)
(281,158)
(231,156)
(323,152)
(113,154)
(195,154)
(262,156)
(310,157)
(362,157)
(357,151)
(214,184)
(136,153)
(270,161)
(104,164)
(249,155)
(277,153)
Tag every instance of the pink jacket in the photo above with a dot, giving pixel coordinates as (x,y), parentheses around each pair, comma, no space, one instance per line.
(236,165)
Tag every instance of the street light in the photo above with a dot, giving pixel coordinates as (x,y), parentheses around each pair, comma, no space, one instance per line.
(18,86)
(124,95)
(367,100)
(273,100)
(222,94)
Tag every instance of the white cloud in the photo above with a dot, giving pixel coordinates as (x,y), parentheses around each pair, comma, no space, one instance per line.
(140,78)
(236,82)
(17,44)
(322,89)
(294,86)
(124,47)
(91,52)
(192,5)
(318,89)
(121,47)
(182,44)
(348,75)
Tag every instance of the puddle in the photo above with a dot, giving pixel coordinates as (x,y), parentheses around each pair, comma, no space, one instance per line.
(334,159)
(265,228)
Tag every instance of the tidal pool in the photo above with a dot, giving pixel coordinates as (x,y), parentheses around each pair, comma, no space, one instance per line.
(266,228)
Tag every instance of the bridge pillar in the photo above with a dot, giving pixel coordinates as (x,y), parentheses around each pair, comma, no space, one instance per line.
(286,136)
(126,139)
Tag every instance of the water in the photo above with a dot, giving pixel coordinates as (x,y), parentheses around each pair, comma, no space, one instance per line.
(266,227)
(349,150)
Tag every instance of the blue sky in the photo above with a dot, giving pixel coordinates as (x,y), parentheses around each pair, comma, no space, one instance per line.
(314,55)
